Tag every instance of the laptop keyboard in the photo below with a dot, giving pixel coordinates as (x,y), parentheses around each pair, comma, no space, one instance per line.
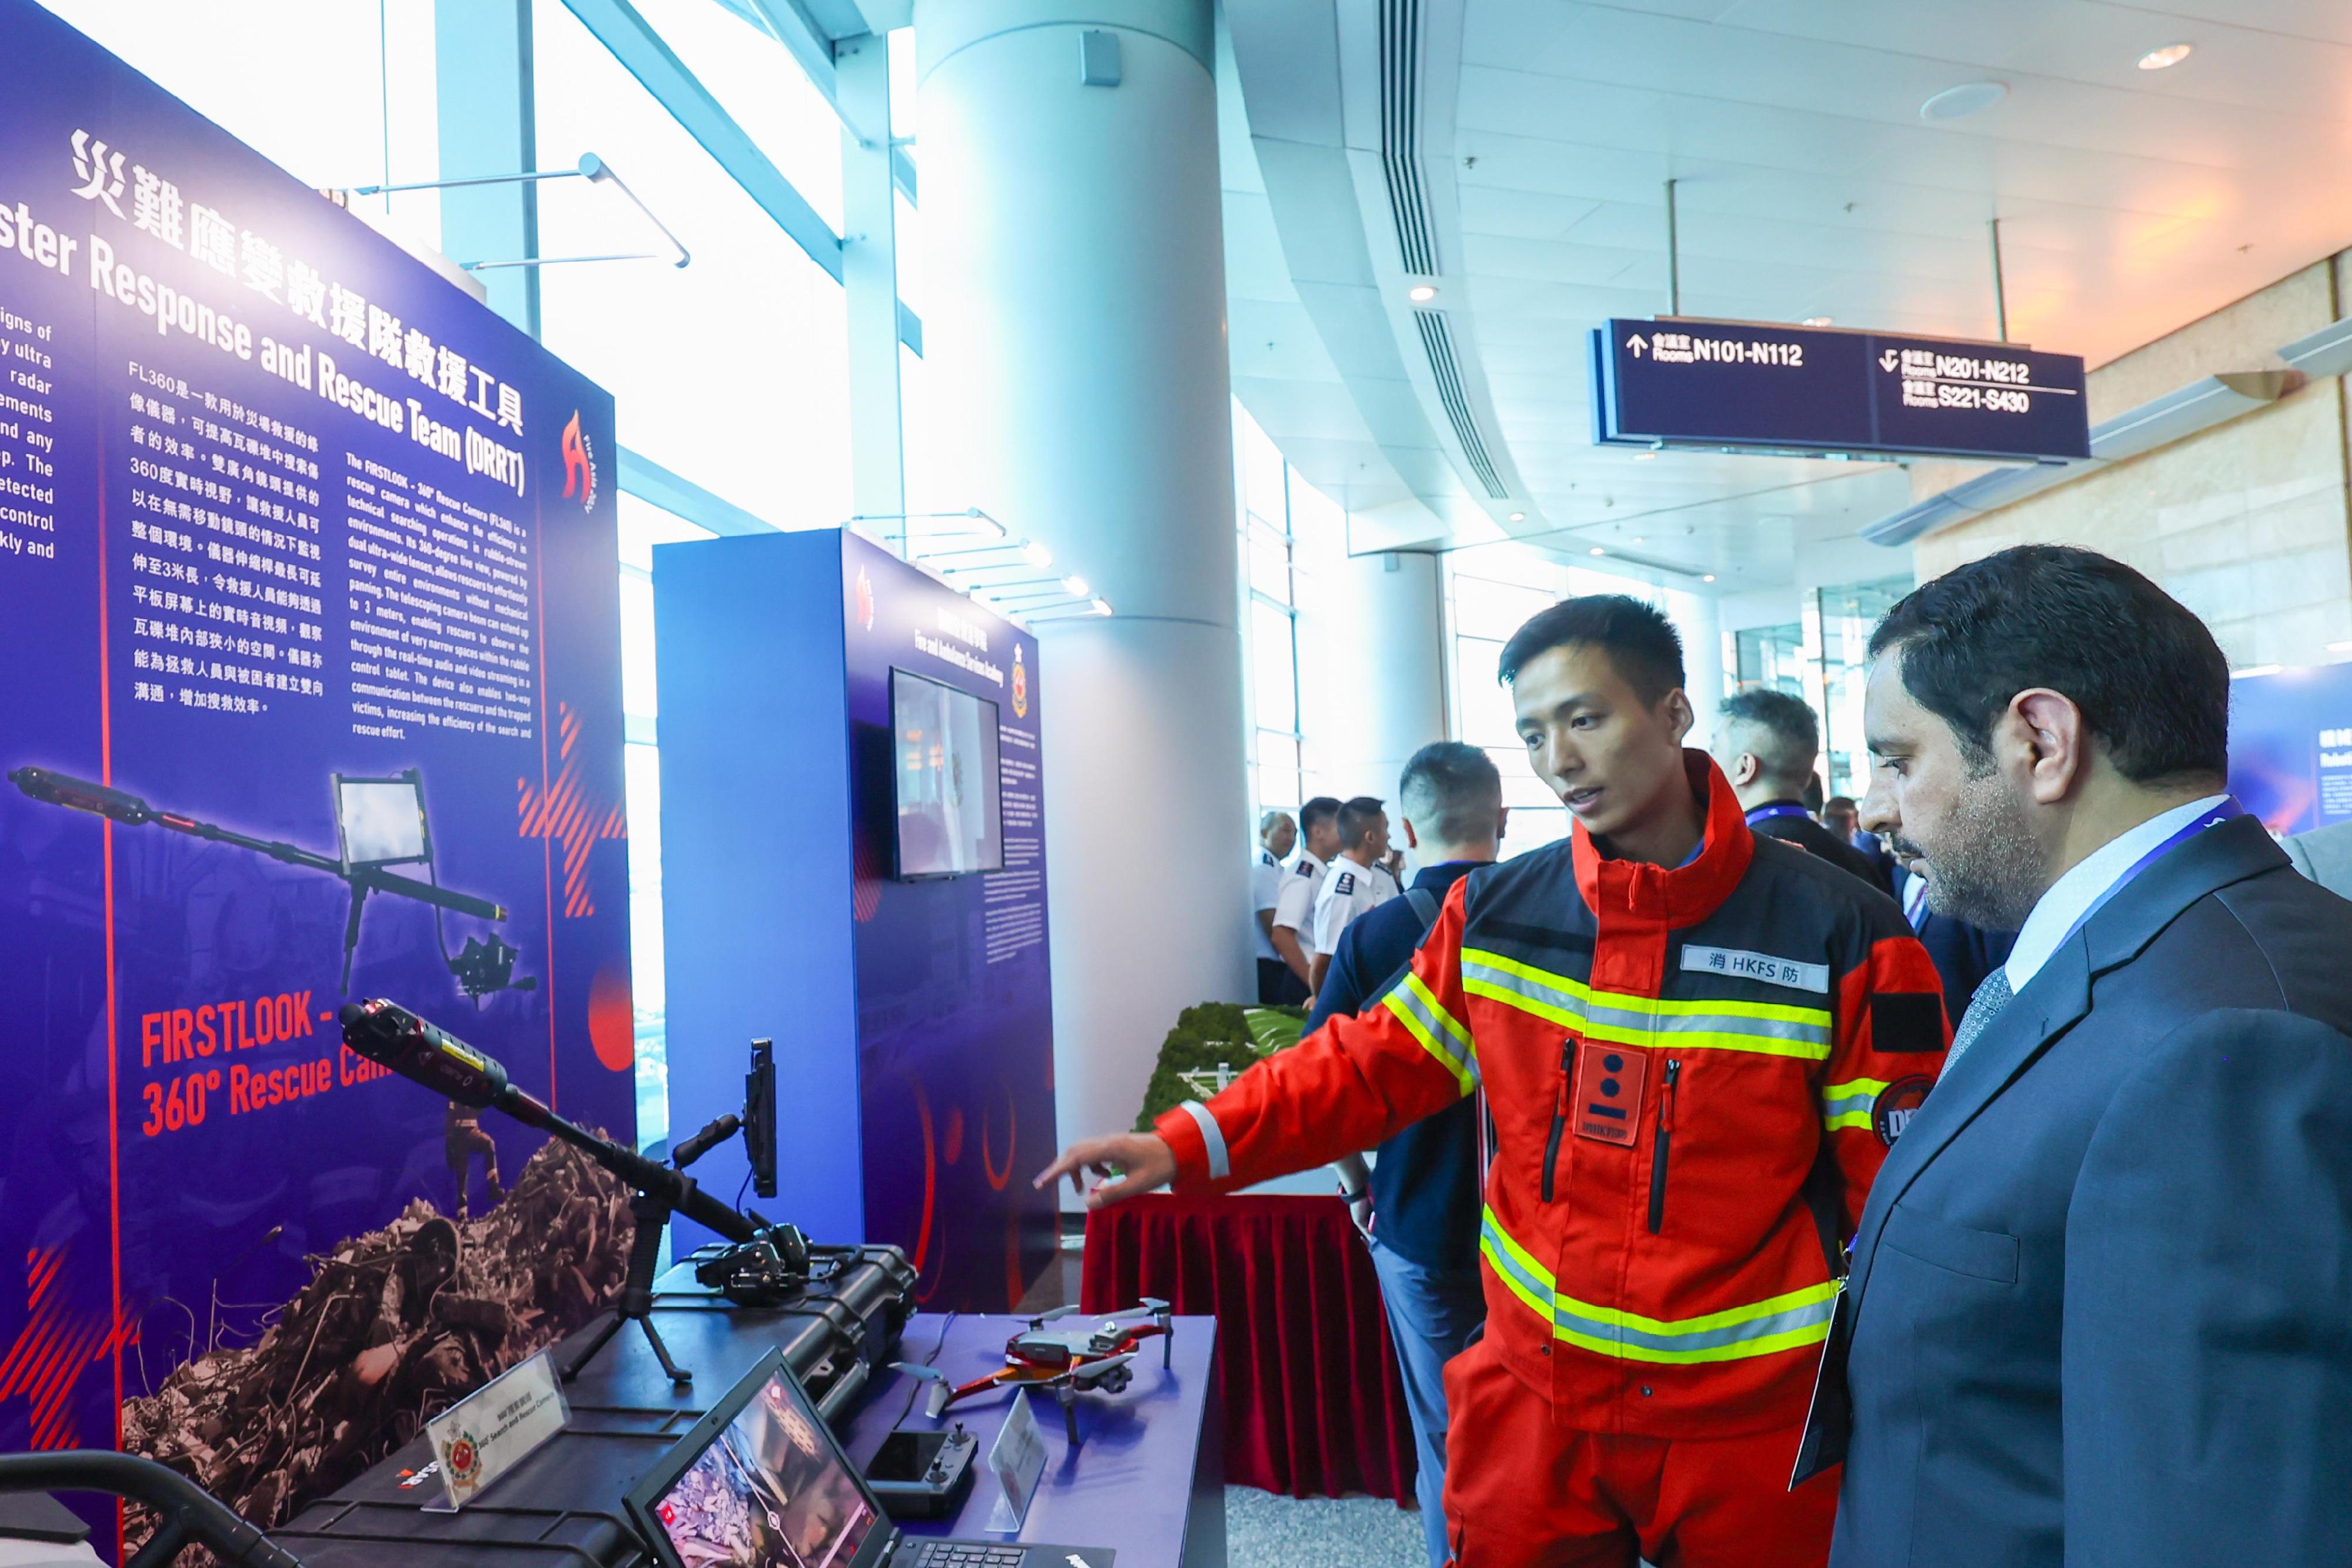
(958,1554)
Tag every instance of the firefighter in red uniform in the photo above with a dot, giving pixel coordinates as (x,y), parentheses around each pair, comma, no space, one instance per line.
(1697,1045)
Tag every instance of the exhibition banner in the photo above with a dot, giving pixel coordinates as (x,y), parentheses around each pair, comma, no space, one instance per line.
(2291,747)
(309,609)
(955,1025)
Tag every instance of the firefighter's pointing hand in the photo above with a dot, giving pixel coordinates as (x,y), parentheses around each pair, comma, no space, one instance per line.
(1131,1164)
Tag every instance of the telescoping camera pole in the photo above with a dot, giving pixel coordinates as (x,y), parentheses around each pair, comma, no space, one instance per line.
(389,1034)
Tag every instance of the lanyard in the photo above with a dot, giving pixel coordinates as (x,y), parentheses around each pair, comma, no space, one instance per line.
(2228,809)
(1762,813)
(1915,901)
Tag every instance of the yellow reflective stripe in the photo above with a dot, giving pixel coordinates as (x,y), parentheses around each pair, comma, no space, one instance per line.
(1770,1029)
(1418,1008)
(1785,1321)
(1850,1104)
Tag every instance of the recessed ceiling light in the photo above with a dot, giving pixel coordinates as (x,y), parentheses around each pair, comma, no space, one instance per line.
(1518,517)
(1102,607)
(1596,550)
(1035,554)
(1959,102)
(1640,539)
(1817,322)
(1076,587)
(1421,293)
(2339,647)
(1644,456)
(2171,55)
(1708,578)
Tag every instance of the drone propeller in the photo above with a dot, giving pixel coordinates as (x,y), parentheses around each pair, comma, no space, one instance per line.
(1041,1319)
(935,1403)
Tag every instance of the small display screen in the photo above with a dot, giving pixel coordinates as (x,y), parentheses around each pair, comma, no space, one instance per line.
(382,821)
(771,1492)
(945,764)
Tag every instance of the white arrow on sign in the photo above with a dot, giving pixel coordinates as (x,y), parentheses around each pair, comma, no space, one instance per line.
(1889,359)
(1637,343)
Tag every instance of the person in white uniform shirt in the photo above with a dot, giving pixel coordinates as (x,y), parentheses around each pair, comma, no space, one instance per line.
(1292,932)
(1357,883)
(1276,835)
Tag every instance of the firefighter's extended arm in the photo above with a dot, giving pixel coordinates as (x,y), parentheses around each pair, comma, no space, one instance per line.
(1891,1033)
(1344,1087)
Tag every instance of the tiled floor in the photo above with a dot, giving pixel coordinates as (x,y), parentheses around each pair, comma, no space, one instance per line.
(1262,1531)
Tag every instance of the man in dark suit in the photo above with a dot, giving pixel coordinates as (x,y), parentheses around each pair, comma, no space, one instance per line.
(2097,1312)
(1766,742)
(1963,953)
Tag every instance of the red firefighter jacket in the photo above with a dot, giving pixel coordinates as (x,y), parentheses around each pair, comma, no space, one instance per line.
(1693,1075)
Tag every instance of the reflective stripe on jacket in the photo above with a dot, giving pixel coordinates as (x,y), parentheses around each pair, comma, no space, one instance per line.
(1666,1055)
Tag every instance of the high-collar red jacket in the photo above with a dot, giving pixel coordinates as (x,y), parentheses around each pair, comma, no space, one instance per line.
(1693,1075)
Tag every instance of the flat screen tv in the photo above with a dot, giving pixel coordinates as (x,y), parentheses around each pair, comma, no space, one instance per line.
(944,778)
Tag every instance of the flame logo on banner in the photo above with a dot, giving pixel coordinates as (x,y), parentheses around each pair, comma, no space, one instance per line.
(52,1350)
(579,464)
(565,814)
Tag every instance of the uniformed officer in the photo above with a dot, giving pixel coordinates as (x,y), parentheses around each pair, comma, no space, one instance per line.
(1357,883)
(1294,910)
(1276,835)
(1696,1044)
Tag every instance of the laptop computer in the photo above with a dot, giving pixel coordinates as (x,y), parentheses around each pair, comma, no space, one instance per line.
(760,1482)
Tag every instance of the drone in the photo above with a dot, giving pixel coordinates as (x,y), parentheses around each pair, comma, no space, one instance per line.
(1064,1360)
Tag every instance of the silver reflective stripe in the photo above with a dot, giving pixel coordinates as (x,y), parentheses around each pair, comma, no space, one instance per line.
(1738,1025)
(1803,1315)
(1438,1033)
(1220,1166)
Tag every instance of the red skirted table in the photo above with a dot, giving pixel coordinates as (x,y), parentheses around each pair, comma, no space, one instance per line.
(1313,1402)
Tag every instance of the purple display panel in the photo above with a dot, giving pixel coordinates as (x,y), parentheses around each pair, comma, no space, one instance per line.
(277,503)
(2291,747)
(954,998)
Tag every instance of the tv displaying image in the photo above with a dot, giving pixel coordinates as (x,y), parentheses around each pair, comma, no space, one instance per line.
(945,779)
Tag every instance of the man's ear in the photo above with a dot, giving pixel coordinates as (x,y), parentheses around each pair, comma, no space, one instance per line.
(1502,823)
(1680,716)
(2042,737)
(1411,839)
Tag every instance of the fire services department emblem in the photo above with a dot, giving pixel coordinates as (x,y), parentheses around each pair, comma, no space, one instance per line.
(464,1460)
(1896,1105)
(578,465)
(1019,684)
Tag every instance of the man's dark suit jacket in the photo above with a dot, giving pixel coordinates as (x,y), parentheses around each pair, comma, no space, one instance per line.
(2100,1315)
(1963,953)
(1814,839)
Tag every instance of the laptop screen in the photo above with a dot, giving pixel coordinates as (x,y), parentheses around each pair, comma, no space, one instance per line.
(768,1490)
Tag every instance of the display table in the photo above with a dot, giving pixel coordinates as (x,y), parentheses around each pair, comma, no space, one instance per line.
(1314,1404)
(1147,1478)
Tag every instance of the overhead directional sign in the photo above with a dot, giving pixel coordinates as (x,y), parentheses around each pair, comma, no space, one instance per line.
(1767,387)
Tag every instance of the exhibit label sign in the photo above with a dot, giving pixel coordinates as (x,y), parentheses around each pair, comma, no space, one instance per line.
(497,1428)
(311,617)
(1764,386)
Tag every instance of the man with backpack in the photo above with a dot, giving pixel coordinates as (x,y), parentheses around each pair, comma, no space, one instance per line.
(1418,1206)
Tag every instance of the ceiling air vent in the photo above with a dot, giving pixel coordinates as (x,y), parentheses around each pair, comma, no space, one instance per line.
(1439,342)
(1400,134)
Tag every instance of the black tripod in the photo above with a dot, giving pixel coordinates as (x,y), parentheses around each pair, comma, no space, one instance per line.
(652,1207)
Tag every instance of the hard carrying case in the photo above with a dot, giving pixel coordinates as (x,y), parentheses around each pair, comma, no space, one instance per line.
(561,1507)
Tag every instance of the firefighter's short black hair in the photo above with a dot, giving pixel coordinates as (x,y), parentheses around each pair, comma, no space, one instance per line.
(1640,641)
(1320,810)
(1355,820)
(2150,680)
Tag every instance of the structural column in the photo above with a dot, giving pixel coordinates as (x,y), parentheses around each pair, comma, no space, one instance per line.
(1075,336)
(1372,674)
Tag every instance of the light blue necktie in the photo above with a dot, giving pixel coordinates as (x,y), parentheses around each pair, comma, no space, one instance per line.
(1992,996)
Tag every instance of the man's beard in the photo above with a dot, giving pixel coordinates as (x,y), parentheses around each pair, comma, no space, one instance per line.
(1988,870)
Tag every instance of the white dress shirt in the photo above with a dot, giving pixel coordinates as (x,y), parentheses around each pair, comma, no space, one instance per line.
(1295,905)
(1349,891)
(2082,887)
(1266,890)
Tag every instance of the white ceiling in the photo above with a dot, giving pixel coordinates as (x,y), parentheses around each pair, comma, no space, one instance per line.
(2131,202)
